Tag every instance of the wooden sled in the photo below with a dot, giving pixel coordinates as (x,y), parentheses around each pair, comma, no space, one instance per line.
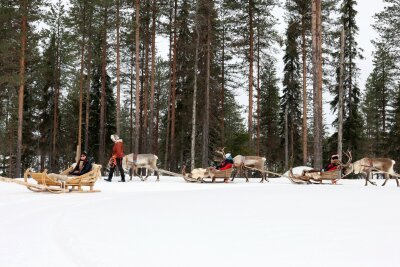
(71,184)
(200,174)
(314,177)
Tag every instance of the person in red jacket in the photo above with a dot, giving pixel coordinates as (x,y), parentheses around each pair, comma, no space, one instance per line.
(116,158)
(333,165)
(227,163)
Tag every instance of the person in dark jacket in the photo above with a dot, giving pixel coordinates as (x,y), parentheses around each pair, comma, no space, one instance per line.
(82,166)
(116,158)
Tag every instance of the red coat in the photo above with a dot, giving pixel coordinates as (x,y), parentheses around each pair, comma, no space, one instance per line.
(226,167)
(118,149)
(331,167)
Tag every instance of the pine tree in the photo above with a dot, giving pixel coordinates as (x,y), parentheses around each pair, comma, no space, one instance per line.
(352,128)
(290,100)
(269,122)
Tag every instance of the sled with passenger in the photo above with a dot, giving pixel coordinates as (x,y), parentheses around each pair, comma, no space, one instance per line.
(62,183)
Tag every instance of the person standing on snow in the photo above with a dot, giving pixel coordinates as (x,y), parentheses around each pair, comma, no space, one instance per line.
(116,158)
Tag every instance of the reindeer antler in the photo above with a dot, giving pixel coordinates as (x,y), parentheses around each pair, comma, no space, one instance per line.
(349,159)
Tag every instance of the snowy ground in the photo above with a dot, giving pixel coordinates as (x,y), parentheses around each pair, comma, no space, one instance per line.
(174,223)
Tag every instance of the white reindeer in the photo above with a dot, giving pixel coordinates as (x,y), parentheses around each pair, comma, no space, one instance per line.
(135,161)
(243,163)
(367,165)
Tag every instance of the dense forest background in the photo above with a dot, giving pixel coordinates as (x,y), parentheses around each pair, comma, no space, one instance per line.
(74,72)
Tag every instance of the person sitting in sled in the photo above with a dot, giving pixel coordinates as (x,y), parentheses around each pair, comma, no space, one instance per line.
(333,165)
(82,166)
(226,164)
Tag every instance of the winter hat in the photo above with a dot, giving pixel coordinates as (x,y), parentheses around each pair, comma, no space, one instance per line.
(114,137)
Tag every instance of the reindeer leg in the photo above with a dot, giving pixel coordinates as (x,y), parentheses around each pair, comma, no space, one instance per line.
(130,173)
(266,177)
(138,174)
(158,177)
(387,176)
(147,174)
(234,174)
(368,180)
(262,177)
(246,175)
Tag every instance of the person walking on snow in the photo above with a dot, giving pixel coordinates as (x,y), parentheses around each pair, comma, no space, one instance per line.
(116,158)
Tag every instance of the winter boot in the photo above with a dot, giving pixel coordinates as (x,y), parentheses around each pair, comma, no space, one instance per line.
(108,180)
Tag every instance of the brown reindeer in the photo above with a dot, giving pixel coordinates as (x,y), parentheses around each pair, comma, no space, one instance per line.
(366,166)
(244,163)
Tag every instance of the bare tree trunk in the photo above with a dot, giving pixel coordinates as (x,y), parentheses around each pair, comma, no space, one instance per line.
(173,100)
(79,146)
(286,139)
(24,10)
(196,58)
(304,59)
(146,81)
(251,60)
(118,74)
(103,90)
(137,112)
(88,80)
(317,81)
(153,69)
(156,129)
(223,88)
(166,157)
(206,126)
(258,94)
(131,141)
(340,111)
(57,85)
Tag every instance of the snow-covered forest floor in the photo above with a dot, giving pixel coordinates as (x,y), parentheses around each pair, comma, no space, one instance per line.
(174,223)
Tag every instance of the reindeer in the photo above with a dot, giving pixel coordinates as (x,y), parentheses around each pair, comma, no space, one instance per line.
(367,165)
(250,162)
(135,161)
